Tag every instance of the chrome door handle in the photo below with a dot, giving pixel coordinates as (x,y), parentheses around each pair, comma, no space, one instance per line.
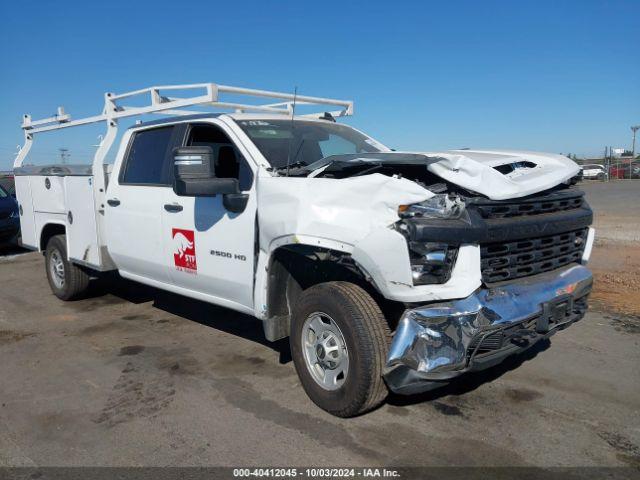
(114,202)
(173,207)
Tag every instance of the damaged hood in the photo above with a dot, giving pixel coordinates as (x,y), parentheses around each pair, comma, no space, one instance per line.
(497,174)
(522,173)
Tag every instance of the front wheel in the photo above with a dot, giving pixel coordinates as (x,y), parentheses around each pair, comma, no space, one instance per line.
(67,281)
(339,343)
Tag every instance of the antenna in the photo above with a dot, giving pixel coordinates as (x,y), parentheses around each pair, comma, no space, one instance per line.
(293,112)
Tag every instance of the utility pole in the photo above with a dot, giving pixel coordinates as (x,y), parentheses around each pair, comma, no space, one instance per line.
(633,144)
(64,155)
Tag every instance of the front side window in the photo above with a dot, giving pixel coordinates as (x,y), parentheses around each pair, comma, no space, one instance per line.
(3,194)
(303,142)
(229,162)
(147,158)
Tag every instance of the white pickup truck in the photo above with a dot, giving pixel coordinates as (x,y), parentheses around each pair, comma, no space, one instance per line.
(386,270)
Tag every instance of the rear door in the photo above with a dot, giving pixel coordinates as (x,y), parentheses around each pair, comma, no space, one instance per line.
(207,248)
(134,204)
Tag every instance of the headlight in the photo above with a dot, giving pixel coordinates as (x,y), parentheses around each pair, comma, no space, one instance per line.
(439,206)
(431,263)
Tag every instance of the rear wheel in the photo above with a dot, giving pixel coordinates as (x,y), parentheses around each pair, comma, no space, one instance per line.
(67,281)
(339,343)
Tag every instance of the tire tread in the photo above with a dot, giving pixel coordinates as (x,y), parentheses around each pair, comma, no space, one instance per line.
(76,279)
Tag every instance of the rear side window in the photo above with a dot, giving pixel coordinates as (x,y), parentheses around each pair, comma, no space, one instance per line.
(147,158)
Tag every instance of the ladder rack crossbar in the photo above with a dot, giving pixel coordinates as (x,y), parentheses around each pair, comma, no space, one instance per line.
(166,104)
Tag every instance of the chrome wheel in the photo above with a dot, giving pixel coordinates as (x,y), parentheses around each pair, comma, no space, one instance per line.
(56,268)
(325,351)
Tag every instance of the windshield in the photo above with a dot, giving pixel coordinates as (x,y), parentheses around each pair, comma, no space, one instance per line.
(304,142)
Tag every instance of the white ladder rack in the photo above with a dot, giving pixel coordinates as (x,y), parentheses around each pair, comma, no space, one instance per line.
(209,96)
(203,94)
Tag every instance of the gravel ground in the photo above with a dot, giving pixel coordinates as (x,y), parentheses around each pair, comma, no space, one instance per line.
(616,205)
(135,376)
(616,258)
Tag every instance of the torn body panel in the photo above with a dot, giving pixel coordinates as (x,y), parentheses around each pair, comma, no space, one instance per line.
(343,211)
(479,171)
(498,175)
(335,215)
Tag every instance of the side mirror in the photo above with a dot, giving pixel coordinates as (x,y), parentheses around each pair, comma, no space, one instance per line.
(195,176)
(235,202)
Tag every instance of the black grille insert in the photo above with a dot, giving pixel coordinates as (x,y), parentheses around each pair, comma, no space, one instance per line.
(513,335)
(520,258)
(534,206)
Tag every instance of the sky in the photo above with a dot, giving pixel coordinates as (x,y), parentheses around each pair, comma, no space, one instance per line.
(556,76)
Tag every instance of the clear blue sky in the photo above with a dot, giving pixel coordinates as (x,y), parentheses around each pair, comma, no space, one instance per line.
(559,76)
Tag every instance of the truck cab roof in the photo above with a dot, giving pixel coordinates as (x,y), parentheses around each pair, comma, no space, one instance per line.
(234,116)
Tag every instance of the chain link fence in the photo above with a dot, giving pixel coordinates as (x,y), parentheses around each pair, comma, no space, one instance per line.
(608,169)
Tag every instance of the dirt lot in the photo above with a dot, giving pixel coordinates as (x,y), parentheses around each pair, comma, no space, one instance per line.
(134,376)
(616,258)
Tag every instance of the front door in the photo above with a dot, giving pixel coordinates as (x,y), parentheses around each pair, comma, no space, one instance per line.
(207,248)
(134,205)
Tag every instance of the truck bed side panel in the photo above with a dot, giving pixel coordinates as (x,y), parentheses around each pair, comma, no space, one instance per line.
(82,231)
(47,193)
(27,220)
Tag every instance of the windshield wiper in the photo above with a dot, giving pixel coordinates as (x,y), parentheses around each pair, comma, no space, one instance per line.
(294,164)
(291,165)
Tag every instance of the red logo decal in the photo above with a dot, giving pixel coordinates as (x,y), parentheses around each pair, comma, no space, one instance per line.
(184,250)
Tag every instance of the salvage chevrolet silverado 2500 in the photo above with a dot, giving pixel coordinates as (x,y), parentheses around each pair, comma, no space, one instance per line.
(386,270)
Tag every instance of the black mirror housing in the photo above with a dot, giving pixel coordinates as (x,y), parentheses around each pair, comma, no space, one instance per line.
(235,202)
(205,187)
(193,162)
(195,176)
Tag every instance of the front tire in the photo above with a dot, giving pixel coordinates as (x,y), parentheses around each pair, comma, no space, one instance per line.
(339,343)
(67,281)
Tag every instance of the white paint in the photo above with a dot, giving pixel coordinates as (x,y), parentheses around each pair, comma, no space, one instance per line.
(82,233)
(343,211)
(591,236)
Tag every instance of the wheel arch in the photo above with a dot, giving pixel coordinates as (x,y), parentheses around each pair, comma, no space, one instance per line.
(295,267)
(49,230)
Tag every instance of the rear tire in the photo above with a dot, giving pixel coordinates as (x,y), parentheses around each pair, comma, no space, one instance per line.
(339,343)
(67,281)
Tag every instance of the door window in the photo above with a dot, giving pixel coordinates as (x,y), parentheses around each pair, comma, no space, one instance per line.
(228,161)
(148,162)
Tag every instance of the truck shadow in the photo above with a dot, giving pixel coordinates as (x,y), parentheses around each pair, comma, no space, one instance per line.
(250,328)
(8,250)
(206,314)
(471,381)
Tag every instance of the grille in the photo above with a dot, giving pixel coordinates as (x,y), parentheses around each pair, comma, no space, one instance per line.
(500,338)
(521,258)
(513,334)
(530,207)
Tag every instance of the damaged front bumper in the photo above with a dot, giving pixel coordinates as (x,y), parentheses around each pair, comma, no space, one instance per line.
(437,342)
